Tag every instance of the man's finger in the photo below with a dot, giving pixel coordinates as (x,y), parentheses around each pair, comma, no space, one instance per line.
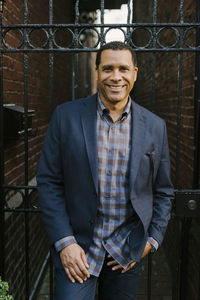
(75,275)
(112,262)
(129,267)
(84,258)
(81,271)
(82,265)
(69,276)
(117,267)
(84,270)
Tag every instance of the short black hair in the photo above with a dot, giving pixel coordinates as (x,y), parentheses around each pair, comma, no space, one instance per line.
(115,45)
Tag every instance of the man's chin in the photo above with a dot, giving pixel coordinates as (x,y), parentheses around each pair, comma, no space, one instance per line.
(115,99)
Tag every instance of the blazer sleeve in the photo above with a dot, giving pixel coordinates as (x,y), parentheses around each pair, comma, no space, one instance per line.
(50,184)
(162,194)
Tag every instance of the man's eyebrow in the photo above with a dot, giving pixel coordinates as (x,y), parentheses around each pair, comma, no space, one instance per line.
(107,66)
(120,66)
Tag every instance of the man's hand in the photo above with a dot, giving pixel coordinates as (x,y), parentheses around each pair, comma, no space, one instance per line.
(116,266)
(147,249)
(75,263)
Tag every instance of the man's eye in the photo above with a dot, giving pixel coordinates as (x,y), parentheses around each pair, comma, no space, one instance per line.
(124,69)
(107,69)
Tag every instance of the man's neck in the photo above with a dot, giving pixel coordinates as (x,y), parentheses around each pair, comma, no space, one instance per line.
(116,108)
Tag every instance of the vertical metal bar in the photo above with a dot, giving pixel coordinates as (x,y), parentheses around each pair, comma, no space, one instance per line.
(196,183)
(2,217)
(180,80)
(186,223)
(76,11)
(128,18)
(102,38)
(153,96)
(50,58)
(180,221)
(26,216)
(51,64)
(149,276)
(75,55)
(149,279)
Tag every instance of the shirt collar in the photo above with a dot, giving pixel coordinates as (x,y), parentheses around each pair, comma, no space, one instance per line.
(103,111)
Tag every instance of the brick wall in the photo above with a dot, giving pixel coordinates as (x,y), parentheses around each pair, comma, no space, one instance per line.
(166,86)
(39,100)
(166,105)
(37,80)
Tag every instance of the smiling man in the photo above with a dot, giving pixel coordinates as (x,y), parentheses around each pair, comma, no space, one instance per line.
(104,184)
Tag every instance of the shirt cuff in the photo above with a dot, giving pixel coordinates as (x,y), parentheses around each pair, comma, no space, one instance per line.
(64,242)
(153,242)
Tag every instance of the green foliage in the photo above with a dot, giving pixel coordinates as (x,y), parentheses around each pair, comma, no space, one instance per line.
(4,291)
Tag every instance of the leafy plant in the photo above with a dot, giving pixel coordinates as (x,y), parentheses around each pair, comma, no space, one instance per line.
(4,291)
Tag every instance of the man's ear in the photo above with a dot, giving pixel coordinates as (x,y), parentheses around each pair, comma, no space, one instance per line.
(136,72)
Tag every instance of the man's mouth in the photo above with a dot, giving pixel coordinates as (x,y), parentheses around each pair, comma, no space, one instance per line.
(115,87)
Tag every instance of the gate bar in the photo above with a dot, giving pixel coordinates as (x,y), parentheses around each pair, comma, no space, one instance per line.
(2,220)
(81,25)
(26,154)
(51,58)
(197,107)
(196,183)
(154,56)
(149,278)
(181,263)
(51,66)
(75,54)
(102,40)
(180,80)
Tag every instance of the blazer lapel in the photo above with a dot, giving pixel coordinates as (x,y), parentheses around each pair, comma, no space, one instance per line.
(89,117)
(138,139)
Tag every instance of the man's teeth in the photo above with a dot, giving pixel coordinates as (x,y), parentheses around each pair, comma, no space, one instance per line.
(115,87)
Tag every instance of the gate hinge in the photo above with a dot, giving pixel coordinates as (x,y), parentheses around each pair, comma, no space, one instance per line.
(187,203)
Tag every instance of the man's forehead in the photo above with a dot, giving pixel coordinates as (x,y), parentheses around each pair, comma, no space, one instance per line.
(125,52)
(110,56)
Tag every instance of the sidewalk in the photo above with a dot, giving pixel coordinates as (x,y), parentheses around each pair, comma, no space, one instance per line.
(161,280)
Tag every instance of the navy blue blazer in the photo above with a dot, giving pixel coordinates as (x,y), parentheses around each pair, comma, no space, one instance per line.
(67,175)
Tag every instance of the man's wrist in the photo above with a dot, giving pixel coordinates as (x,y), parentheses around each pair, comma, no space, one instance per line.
(64,242)
(153,243)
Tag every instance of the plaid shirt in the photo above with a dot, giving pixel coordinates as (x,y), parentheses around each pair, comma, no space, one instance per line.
(111,229)
(114,144)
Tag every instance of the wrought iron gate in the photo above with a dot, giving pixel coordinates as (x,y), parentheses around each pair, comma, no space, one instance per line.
(187,202)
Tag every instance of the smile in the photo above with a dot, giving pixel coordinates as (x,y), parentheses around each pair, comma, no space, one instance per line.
(115,87)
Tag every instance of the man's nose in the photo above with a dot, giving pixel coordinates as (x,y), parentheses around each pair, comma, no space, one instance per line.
(116,75)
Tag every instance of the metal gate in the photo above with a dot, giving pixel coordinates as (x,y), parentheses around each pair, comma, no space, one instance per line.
(187,202)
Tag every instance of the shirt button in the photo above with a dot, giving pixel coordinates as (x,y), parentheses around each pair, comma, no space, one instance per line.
(109,172)
(107,195)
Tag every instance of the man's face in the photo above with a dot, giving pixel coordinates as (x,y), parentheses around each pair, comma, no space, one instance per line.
(116,75)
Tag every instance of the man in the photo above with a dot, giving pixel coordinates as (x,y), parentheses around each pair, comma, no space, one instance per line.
(104,184)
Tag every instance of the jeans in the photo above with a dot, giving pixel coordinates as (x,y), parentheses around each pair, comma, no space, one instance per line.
(112,285)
